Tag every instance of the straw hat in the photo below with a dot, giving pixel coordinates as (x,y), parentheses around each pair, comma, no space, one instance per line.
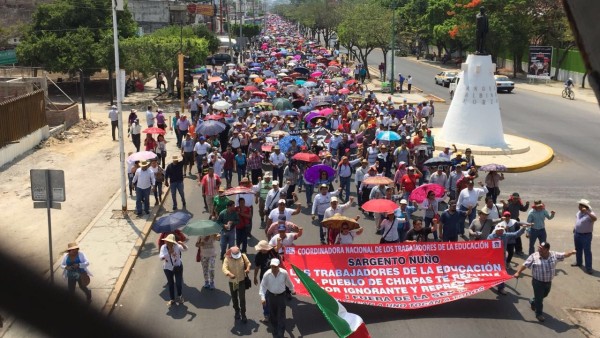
(72,246)
(262,245)
(170,238)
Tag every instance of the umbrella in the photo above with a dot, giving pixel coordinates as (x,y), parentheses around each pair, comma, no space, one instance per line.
(300,82)
(286,142)
(271,81)
(238,190)
(171,222)
(388,136)
(279,133)
(322,104)
(312,115)
(244,105)
(312,174)
(202,227)
(326,111)
(268,73)
(301,70)
(307,157)
(316,74)
(282,104)
(338,79)
(304,109)
(420,193)
(214,79)
(289,113)
(437,161)
(333,69)
(351,81)
(377,180)
(344,91)
(255,64)
(356,97)
(259,94)
(336,221)
(221,105)
(270,89)
(264,104)
(380,205)
(154,130)
(213,117)
(291,89)
(321,98)
(141,156)
(230,65)
(210,128)
(309,84)
(250,88)
(493,167)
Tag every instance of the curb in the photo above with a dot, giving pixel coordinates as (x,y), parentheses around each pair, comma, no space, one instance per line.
(536,165)
(133,256)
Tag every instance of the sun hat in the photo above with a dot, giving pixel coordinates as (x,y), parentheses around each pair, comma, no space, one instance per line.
(323,186)
(72,246)
(275,262)
(170,238)
(403,201)
(262,245)
(176,158)
(585,203)
(276,182)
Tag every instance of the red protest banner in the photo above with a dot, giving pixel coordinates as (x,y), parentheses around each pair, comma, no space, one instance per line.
(403,275)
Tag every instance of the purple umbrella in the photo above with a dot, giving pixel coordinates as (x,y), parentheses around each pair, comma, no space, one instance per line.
(312,115)
(312,174)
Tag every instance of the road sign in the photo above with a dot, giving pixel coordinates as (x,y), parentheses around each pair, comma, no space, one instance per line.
(39,185)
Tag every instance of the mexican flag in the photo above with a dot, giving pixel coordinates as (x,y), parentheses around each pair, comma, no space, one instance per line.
(345,324)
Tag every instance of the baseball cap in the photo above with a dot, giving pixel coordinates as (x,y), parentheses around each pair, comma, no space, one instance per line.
(281,200)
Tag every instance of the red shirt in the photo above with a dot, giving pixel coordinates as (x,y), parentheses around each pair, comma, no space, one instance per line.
(409,181)
(243,220)
(229,157)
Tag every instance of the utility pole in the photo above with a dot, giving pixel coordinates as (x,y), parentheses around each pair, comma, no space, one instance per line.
(393,75)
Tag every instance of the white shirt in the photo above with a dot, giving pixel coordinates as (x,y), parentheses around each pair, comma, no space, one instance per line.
(446,156)
(438,178)
(277,160)
(389,234)
(249,198)
(355,125)
(274,214)
(275,284)
(169,261)
(360,175)
(287,241)
(218,166)
(113,115)
(339,210)
(468,198)
(149,118)
(201,148)
(272,198)
(346,238)
(321,202)
(144,179)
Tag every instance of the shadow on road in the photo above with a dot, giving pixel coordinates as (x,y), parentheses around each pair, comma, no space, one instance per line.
(240,329)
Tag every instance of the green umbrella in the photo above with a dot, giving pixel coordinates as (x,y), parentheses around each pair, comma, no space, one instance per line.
(202,227)
(282,104)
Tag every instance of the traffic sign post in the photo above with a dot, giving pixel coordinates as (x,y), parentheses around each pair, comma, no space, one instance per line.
(48,188)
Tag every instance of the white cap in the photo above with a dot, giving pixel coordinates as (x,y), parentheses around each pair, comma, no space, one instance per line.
(281,200)
(275,182)
(275,262)
(334,199)
(403,201)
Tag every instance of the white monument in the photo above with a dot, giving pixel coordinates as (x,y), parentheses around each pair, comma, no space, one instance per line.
(474,114)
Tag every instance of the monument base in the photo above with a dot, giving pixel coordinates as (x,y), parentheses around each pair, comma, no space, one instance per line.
(519,155)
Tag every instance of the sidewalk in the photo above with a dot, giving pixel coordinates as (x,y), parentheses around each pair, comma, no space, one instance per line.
(415,97)
(111,241)
(521,82)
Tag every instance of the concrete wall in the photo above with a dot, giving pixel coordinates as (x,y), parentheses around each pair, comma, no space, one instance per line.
(66,113)
(150,14)
(12,151)
(563,74)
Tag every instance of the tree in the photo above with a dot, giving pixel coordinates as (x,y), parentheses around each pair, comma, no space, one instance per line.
(157,52)
(248,30)
(72,35)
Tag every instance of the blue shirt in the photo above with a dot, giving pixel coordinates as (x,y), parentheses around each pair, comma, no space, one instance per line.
(538,218)
(188,146)
(506,236)
(240,159)
(451,222)
(406,214)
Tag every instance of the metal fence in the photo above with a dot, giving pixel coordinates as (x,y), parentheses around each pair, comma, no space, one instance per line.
(21,116)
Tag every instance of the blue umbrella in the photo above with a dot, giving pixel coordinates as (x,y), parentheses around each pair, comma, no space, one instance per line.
(302,70)
(255,69)
(171,222)
(388,136)
(288,113)
(304,109)
(268,73)
(312,174)
(255,64)
(309,84)
(210,128)
(286,142)
(300,82)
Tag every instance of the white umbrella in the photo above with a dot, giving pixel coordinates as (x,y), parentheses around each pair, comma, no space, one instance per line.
(230,65)
(253,76)
(221,105)
(282,74)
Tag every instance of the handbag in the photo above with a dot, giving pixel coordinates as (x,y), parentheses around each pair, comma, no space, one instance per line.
(178,268)
(199,253)
(382,240)
(84,279)
(247,281)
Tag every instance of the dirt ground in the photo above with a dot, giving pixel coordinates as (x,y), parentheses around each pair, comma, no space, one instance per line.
(90,160)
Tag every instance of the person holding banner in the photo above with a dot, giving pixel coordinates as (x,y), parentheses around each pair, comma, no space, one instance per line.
(419,233)
(386,226)
(346,236)
(500,233)
(543,269)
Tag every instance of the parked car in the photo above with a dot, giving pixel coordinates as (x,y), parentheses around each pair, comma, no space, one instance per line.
(220,58)
(503,83)
(453,84)
(444,78)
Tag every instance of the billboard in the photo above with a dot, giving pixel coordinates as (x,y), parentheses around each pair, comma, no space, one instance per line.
(540,62)
(202,9)
(400,275)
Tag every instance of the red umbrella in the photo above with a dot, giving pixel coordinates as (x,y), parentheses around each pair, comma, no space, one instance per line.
(344,91)
(270,89)
(380,206)
(377,180)
(267,147)
(214,117)
(238,190)
(250,88)
(215,79)
(420,193)
(154,130)
(307,157)
(261,94)
(351,81)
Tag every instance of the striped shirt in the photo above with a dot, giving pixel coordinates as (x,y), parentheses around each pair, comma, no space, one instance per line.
(255,162)
(544,269)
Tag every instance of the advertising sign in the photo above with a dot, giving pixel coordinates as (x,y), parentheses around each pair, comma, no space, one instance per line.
(402,275)
(540,62)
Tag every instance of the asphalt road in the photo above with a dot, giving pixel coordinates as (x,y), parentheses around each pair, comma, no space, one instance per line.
(569,127)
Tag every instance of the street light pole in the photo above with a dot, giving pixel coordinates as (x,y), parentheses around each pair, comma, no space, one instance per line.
(119,107)
(392,76)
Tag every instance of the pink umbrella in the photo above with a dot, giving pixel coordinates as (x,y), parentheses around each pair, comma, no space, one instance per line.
(297,57)
(344,91)
(141,156)
(271,81)
(420,193)
(326,111)
(316,74)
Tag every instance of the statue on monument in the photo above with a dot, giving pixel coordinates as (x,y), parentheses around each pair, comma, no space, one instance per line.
(482,30)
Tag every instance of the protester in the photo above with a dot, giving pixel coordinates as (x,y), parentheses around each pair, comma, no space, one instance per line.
(236,266)
(538,216)
(208,254)
(173,177)
(170,254)
(582,234)
(272,291)
(543,269)
(144,181)
(262,263)
(75,270)
(228,219)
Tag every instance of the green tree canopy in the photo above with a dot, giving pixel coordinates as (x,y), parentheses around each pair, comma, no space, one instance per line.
(68,35)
